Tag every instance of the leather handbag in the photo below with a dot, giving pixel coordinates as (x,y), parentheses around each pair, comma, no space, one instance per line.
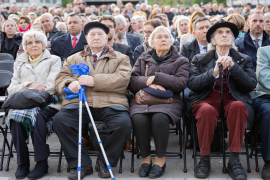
(144,98)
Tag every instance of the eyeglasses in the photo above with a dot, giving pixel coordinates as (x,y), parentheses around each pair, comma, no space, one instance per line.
(267,22)
(31,43)
(133,23)
(161,37)
(148,32)
(140,21)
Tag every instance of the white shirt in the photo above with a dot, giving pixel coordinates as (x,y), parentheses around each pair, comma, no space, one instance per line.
(124,40)
(78,37)
(201,48)
(98,54)
(260,40)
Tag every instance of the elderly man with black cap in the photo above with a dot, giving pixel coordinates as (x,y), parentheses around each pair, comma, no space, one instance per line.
(204,100)
(106,92)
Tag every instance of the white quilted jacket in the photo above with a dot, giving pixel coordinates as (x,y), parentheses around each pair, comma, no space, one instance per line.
(44,72)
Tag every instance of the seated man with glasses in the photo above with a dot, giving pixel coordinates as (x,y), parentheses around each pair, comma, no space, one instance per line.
(106,92)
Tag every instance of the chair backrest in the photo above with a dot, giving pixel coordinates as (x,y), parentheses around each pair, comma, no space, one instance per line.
(6,56)
(7,65)
(5,79)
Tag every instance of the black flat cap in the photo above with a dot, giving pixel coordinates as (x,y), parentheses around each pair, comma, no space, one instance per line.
(219,24)
(95,24)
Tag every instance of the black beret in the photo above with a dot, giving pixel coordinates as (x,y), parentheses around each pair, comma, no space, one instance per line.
(159,93)
(95,24)
(219,24)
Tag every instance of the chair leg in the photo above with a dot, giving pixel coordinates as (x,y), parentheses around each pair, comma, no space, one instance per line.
(121,162)
(4,147)
(180,136)
(256,156)
(9,155)
(3,122)
(194,144)
(132,154)
(184,144)
(247,154)
(60,160)
(68,168)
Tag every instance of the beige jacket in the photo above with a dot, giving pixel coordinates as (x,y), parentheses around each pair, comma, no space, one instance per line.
(185,38)
(111,76)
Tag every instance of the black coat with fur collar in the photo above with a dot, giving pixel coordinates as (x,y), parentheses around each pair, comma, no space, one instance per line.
(241,79)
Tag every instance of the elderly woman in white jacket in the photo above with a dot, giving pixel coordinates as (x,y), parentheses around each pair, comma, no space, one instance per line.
(36,69)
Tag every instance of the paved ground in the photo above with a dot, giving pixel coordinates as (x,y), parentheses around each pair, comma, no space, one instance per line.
(174,165)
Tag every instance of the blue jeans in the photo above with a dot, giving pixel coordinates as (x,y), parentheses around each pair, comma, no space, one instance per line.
(261,107)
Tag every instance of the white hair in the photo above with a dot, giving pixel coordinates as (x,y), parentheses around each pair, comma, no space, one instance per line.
(38,35)
(211,46)
(47,14)
(112,5)
(160,28)
(61,23)
(120,19)
(12,15)
(230,9)
(116,9)
(266,15)
(136,17)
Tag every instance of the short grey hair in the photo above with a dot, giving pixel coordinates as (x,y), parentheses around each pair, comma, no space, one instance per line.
(160,28)
(38,35)
(211,46)
(267,15)
(120,19)
(47,14)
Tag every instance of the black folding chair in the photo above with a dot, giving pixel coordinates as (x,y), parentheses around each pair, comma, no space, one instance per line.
(7,65)
(6,56)
(182,142)
(222,121)
(5,80)
(256,146)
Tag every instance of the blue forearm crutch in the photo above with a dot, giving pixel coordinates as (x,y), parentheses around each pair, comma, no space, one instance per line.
(83,69)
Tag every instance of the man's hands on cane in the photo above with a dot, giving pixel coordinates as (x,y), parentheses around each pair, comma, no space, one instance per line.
(226,61)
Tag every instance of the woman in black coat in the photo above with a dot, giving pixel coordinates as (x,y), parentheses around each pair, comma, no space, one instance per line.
(10,40)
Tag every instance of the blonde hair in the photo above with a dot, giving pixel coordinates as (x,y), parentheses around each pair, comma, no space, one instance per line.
(4,25)
(238,19)
(178,21)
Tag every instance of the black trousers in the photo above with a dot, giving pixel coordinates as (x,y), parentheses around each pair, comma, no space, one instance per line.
(38,135)
(160,124)
(66,126)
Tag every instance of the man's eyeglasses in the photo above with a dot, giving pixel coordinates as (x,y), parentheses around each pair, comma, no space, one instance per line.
(148,32)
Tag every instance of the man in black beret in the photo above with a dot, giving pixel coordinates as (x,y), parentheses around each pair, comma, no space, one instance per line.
(106,90)
(239,80)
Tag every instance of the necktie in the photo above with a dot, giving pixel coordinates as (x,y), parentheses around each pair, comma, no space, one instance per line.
(256,43)
(205,48)
(95,57)
(74,42)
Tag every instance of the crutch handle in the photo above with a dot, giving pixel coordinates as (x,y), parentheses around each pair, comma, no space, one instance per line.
(71,96)
(66,90)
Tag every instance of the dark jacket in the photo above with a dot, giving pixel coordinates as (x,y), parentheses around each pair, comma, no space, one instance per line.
(124,49)
(177,43)
(147,13)
(171,74)
(54,34)
(62,47)
(133,41)
(246,46)
(14,47)
(170,16)
(138,52)
(212,13)
(190,49)
(241,79)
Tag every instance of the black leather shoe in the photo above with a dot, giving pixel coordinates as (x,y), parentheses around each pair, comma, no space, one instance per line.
(86,170)
(145,169)
(236,171)
(22,171)
(40,169)
(203,169)
(266,172)
(157,171)
(103,172)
